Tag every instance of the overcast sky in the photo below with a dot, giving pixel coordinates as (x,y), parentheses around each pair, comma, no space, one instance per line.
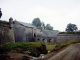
(58,13)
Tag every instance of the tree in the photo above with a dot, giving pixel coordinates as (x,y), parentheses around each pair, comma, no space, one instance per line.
(43,25)
(48,27)
(0,13)
(71,27)
(36,22)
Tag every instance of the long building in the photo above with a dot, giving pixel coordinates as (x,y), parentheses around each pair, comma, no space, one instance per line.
(24,32)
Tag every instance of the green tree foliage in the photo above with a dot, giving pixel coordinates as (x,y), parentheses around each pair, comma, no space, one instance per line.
(43,25)
(36,22)
(71,27)
(48,27)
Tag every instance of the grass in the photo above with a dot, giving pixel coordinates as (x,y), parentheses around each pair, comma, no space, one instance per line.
(50,47)
(35,48)
(30,46)
(55,47)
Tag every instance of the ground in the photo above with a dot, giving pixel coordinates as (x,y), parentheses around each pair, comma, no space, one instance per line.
(70,53)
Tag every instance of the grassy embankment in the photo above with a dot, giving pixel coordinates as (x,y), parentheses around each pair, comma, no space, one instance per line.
(24,46)
(53,47)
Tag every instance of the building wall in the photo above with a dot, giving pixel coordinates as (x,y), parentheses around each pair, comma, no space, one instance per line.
(29,34)
(61,38)
(23,33)
(19,32)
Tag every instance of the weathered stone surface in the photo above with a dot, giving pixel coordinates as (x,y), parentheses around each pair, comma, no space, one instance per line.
(6,33)
(61,38)
(28,32)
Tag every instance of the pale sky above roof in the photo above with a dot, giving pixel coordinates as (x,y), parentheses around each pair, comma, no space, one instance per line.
(58,13)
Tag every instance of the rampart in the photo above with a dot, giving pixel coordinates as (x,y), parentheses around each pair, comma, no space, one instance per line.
(61,38)
(6,32)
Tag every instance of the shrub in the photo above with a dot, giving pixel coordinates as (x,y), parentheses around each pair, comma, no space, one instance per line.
(36,48)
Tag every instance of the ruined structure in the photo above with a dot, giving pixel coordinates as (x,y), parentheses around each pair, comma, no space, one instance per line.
(6,31)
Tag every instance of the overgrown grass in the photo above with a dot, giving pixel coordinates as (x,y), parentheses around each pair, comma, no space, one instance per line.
(30,46)
(56,47)
(35,48)
(50,47)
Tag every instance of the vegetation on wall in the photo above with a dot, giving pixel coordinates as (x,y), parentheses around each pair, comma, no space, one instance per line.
(69,32)
(4,22)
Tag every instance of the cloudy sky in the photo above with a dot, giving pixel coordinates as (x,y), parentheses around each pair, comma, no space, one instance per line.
(58,13)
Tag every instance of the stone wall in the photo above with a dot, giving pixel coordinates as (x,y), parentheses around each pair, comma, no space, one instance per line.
(61,38)
(29,34)
(46,39)
(6,32)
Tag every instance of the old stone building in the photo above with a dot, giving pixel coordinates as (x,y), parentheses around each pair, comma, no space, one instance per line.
(15,31)
(23,31)
(48,36)
(28,32)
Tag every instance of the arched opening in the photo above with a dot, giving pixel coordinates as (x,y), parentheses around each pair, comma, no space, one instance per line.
(49,40)
(38,39)
(43,40)
(34,34)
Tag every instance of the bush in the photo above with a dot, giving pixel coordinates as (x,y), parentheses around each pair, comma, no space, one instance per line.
(2,50)
(23,45)
(36,48)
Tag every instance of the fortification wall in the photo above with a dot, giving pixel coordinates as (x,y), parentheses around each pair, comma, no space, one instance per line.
(6,32)
(61,38)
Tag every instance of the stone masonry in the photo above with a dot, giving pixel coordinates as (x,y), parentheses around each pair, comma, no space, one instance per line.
(6,31)
(61,38)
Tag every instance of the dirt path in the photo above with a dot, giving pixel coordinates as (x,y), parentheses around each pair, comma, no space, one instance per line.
(70,53)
